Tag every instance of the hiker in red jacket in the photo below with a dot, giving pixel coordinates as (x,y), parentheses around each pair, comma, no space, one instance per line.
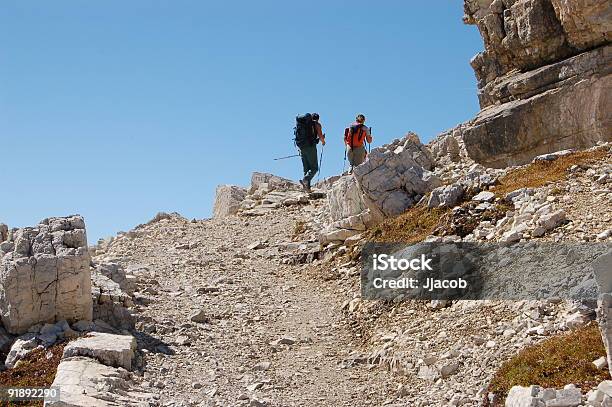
(354,137)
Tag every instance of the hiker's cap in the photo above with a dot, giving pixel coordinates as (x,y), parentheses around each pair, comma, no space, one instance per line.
(315,116)
(361,118)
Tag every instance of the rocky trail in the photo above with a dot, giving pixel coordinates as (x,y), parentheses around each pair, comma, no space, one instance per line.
(264,304)
(243,326)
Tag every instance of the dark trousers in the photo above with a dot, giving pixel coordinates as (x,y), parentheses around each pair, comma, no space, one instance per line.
(309,162)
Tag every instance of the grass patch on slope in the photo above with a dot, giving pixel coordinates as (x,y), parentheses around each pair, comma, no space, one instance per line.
(554,363)
(541,173)
(35,370)
(412,226)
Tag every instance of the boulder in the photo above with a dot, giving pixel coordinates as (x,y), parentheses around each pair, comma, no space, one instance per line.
(396,176)
(20,348)
(552,220)
(45,275)
(527,34)
(227,201)
(535,396)
(484,196)
(109,349)
(448,147)
(515,132)
(3,232)
(446,196)
(86,383)
(393,179)
(272,182)
(347,202)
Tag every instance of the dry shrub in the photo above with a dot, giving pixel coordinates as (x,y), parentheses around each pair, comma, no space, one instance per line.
(554,363)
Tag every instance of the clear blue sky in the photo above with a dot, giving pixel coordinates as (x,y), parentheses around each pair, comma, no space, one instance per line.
(119,109)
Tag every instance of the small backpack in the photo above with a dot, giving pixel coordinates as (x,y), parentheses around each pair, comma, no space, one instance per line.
(304,131)
(354,135)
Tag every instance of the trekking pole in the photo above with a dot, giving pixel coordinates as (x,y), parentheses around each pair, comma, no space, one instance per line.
(370,144)
(321,162)
(289,156)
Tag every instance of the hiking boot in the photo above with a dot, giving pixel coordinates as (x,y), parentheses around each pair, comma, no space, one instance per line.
(305,184)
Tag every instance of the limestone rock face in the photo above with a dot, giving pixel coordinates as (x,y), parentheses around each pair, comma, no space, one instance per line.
(560,106)
(543,79)
(517,34)
(227,200)
(586,23)
(349,207)
(45,274)
(396,176)
(351,212)
(110,302)
(86,383)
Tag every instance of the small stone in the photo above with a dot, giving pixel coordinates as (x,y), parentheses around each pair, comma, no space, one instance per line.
(484,196)
(255,386)
(601,363)
(285,340)
(256,246)
(262,366)
(449,369)
(183,340)
(200,317)
(604,235)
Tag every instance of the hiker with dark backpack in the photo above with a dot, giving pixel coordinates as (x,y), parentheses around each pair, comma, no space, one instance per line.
(354,137)
(308,132)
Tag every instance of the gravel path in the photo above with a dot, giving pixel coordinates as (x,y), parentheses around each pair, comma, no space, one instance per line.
(268,336)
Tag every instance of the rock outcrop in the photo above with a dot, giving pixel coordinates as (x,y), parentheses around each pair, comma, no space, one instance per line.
(537,396)
(394,178)
(111,350)
(3,232)
(110,302)
(543,79)
(227,201)
(602,269)
(45,274)
(85,382)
